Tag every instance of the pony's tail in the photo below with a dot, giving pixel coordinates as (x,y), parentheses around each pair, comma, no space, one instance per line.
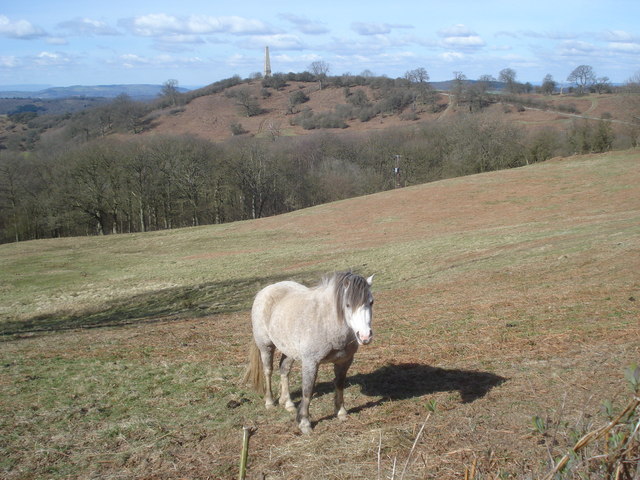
(254,374)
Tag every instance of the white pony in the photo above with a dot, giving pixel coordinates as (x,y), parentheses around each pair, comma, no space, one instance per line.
(316,325)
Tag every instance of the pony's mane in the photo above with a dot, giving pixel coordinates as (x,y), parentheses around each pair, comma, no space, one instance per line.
(348,289)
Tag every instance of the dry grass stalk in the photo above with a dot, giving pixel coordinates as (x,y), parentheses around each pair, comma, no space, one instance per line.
(413,447)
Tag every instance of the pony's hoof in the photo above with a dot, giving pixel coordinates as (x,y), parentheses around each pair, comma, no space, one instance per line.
(305,427)
(343,417)
(269,405)
(290,407)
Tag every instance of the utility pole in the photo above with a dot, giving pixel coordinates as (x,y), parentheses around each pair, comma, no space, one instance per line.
(267,63)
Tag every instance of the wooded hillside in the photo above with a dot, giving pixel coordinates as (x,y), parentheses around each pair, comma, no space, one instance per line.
(241,149)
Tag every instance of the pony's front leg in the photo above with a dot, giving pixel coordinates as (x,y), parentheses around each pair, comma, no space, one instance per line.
(309,373)
(267,364)
(285,395)
(340,370)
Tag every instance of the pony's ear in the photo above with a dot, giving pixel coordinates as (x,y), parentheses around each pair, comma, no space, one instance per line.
(345,282)
(370,279)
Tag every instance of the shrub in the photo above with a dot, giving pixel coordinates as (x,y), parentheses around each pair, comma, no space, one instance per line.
(568,108)
(237,129)
(367,113)
(310,120)
(357,99)
(276,81)
(298,97)
(409,116)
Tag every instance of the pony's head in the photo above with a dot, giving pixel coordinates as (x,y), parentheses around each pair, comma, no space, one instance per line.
(356,304)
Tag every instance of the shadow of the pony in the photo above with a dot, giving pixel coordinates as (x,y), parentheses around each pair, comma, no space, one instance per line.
(410,380)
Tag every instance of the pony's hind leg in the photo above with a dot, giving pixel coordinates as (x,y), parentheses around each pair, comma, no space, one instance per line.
(266,354)
(340,370)
(285,395)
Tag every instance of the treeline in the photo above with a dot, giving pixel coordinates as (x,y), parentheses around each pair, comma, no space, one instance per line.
(150,183)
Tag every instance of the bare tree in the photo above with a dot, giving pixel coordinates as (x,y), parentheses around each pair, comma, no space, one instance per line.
(419,75)
(508,76)
(631,91)
(247,102)
(458,86)
(320,69)
(583,77)
(170,91)
(602,85)
(548,85)
(93,184)
(10,190)
(485,82)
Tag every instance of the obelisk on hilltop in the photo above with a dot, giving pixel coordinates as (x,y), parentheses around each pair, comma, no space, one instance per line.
(267,63)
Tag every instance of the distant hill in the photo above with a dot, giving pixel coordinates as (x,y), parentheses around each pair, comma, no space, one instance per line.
(59,100)
(135,91)
(54,106)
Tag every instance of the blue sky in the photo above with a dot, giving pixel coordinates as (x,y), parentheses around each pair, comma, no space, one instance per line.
(196,42)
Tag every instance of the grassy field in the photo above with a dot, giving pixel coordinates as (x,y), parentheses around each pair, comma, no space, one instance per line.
(499,298)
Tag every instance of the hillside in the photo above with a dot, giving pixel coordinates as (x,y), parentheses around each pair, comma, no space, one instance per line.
(499,297)
(211,116)
(215,113)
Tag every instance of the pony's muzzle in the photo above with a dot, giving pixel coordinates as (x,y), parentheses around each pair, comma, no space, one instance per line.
(364,338)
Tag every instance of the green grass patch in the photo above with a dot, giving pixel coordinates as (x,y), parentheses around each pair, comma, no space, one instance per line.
(81,414)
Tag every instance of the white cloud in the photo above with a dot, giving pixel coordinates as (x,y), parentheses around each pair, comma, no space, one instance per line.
(234,24)
(576,48)
(154,24)
(452,56)
(620,36)
(460,37)
(88,26)
(161,24)
(21,29)
(625,47)
(52,59)
(621,41)
(463,42)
